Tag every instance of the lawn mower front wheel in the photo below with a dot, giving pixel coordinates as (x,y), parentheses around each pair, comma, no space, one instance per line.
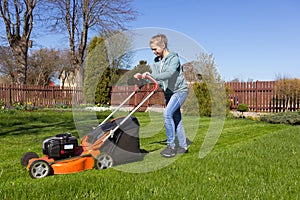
(39,169)
(104,161)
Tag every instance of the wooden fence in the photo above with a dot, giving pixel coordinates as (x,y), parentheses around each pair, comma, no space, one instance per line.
(261,96)
(38,95)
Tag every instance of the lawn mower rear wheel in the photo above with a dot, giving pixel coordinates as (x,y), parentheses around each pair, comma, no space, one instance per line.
(27,156)
(104,161)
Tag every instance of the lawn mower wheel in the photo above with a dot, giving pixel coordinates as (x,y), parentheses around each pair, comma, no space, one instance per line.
(27,156)
(103,161)
(39,169)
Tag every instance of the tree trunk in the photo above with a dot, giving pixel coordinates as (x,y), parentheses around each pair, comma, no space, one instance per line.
(18,20)
(20,50)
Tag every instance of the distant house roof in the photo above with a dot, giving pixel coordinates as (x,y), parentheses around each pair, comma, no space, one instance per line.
(52,83)
(122,71)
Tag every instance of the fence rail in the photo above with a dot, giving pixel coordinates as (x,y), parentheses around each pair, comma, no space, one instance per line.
(38,95)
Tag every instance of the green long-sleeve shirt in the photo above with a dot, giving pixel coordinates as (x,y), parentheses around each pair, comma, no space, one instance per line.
(168,73)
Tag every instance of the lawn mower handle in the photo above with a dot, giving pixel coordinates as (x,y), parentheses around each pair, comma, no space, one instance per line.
(155,87)
(136,90)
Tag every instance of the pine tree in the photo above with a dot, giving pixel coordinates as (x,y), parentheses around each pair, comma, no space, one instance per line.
(102,94)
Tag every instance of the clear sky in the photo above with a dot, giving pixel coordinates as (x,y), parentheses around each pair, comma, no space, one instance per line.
(257,39)
(250,40)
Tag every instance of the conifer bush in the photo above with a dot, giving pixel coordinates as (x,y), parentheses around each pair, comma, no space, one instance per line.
(292,118)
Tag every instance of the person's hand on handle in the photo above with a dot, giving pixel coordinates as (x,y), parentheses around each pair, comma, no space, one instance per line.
(145,74)
(137,75)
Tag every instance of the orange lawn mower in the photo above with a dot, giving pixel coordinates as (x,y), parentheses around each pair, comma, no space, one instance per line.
(110,143)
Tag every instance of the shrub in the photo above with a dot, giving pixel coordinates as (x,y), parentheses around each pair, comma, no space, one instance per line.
(204,101)
(2,105)
(62,105)
(190,106)
(200,100)
(242,108)
(29,106)
(292,118)
(209,88)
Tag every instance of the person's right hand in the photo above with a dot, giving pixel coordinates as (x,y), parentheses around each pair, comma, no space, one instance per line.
(145,74)
(137,75)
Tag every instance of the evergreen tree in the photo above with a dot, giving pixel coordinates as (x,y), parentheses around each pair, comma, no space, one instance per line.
(97,72)
(102,94)
(211,94)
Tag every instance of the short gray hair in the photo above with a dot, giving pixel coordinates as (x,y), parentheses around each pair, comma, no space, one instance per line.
(160,40)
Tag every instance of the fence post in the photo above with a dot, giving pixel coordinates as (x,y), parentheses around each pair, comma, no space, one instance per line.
(256,96)
(10,96)
(53,97)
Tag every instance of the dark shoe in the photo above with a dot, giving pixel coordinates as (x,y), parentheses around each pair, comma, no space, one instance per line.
(182,150)
(168,152)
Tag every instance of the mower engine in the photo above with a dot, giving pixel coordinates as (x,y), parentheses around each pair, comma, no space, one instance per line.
(61,146)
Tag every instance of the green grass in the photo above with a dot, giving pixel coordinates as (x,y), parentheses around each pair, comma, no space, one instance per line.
(251,160)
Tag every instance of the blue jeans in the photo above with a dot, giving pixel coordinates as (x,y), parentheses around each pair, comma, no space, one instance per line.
(173,119)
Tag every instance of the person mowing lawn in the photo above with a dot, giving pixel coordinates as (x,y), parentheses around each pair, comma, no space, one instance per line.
(168,72)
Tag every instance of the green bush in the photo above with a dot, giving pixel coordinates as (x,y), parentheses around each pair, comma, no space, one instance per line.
(2,105)
(190,106)
(29,106)
(206,98)
(10,110)
(242,108)
(292,118)
(62,105)
(196,99)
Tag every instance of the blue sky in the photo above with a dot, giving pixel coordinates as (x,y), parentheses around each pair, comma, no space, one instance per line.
(257,40)
(250,40)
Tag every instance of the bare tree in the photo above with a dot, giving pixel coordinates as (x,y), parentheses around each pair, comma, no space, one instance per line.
(119,46)
(206,66)
(44,64)
(288,92)
(79,16)
(17,16)
(66,70)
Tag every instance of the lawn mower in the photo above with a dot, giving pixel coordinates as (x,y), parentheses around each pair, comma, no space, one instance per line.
(110,143)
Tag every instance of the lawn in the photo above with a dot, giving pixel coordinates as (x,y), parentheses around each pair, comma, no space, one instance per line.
(251,160)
